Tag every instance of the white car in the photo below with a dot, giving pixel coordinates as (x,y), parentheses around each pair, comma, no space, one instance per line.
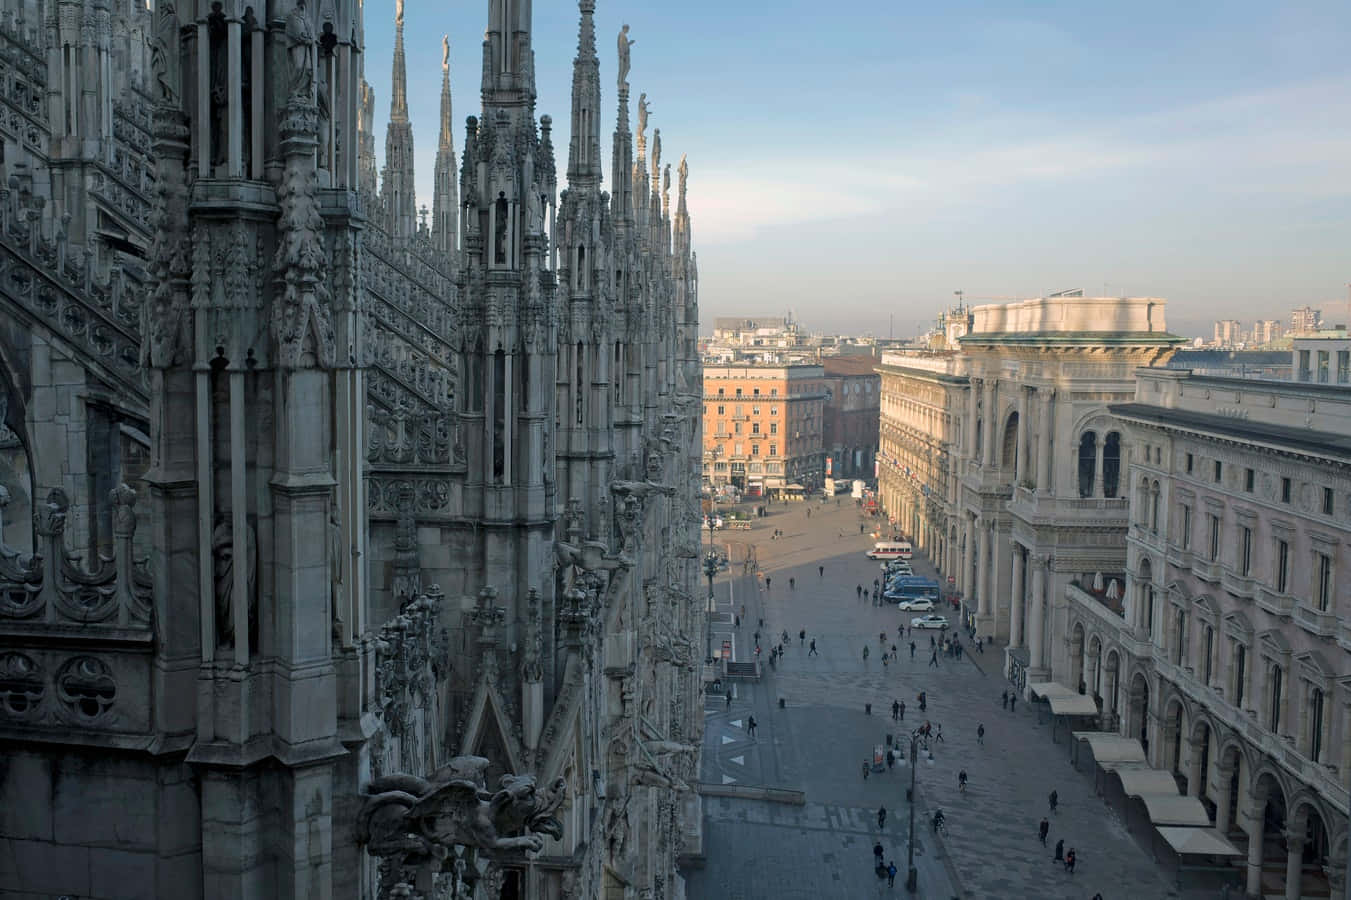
(920,605)
(929,621)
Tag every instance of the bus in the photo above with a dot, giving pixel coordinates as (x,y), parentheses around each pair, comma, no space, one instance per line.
(913,588)
(891,550)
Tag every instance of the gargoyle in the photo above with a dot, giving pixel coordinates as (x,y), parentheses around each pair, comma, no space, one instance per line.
(659,748)
(421,819)
(641,489)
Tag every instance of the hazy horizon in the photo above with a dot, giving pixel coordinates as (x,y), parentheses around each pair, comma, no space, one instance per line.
(1199,153)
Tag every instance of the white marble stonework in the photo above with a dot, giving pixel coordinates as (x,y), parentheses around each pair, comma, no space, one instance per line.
(311,504)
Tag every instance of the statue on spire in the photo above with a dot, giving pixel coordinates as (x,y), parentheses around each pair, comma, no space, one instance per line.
(624,45)
(666,179)
(656,154)
(684,171)
(300,52)
(642,115)
(398,13)
(445,47)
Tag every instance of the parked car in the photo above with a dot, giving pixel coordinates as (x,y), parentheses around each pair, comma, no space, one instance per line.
(916,605)
(929,621)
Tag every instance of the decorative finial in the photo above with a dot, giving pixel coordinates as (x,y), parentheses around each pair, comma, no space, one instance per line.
(398,13)
(624,45)
(445,49)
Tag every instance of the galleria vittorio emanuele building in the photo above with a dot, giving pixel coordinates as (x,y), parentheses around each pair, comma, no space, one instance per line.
(346,552)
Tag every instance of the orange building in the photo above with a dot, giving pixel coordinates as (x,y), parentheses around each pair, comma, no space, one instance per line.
(763,426)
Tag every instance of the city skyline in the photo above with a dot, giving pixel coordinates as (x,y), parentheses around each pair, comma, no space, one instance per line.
(993,148)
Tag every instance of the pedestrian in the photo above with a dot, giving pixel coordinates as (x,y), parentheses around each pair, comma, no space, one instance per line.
(757,632)
(893,652)
(802,636)
(933,642)
(939,736)
(884,662)
(1059,851)
(912,649)
(757,651)
(980,647)
(821,571)
(792,584)
(1054,798)
(729,698)
(923,701)
(812,651)
(1070,859)
(767,581)
(881,817)
(900,632)
(877,852)
(933,659)
(891,874)
(750,726)
(902,712)
(980,734)
(867,767)
(1013,701)
(891,759)
(1044,830)
(860,591)
(738,621)
(865,654)
(1004,700)
(895,710)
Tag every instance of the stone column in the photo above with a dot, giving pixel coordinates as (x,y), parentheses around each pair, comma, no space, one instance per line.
(1223,808)
(1194,749)
(1100,444)
(1021,470)
(972,415)
(989,455)
(1016,597)
(1044,441)
(986,578)
(1253,826)
(967,575)
(1294,862)
(1038,613)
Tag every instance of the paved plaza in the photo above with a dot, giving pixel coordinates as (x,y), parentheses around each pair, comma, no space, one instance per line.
(817,743)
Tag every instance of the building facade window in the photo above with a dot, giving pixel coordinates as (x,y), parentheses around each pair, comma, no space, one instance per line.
(1219,471)
(773,427)
(1214,538)
(1180,648)
(1282,566)
(1248,479)
(1208,657)
(1327,501)
(1274,710)
(773,449)
(755,449)
(1322,585)
(1245,551)
(755,428)
(1285,490)
(1316,725)
(1240,673)
(1190,462)
(1186,527)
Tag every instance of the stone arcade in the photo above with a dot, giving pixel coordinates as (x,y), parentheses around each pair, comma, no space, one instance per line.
(342,554)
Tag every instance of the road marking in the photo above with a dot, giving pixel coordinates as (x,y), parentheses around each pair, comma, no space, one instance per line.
(736,723)
(727,740)
(739,760)
(727,779)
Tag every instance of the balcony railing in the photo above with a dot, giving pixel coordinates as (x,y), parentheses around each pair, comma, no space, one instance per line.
(1272,602)
(1323,624)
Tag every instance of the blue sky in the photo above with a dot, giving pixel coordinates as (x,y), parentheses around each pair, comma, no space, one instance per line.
(857,163)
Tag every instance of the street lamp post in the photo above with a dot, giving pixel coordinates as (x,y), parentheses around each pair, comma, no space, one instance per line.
(710,570)
(912,876)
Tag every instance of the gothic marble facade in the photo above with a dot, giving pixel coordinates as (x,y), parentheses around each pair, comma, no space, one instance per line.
(317,516)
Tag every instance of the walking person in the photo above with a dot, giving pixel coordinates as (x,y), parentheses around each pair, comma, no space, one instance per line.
(750,726)
(961,781)
(939,736)
(933,659)
(877,852)
(767,580)
(902,711)
(802,636)
(1044,830)
(912,649)
(865,654)
(881,817)
(812,651)
(792,584)
(1013,701)
(980,734)
(895,710)
(729,698)
(1055,799)
(820,570)
(1059,851)
(891,874)
(1070,859)
(867,767)
(860,592)
(1004,700)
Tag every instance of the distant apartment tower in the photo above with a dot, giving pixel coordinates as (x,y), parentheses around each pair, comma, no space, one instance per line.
(1267,331)
(763,427)
(1305,319)
(1228,332)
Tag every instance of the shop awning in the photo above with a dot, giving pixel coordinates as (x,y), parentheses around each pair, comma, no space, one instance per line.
(1112,750)
(1139,780)
(1175,809)
(1045,690)
(1198,841)
(1073,705)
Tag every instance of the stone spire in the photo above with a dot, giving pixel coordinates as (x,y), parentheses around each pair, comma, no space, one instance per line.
(621,154)
(508,59)
(584,151)
(445,204)
(368,182)
(399,202)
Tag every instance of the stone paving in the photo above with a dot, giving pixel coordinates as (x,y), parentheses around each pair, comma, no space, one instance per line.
(818,741)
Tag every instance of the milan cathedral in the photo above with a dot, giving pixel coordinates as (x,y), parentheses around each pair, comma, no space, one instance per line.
(345,551)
